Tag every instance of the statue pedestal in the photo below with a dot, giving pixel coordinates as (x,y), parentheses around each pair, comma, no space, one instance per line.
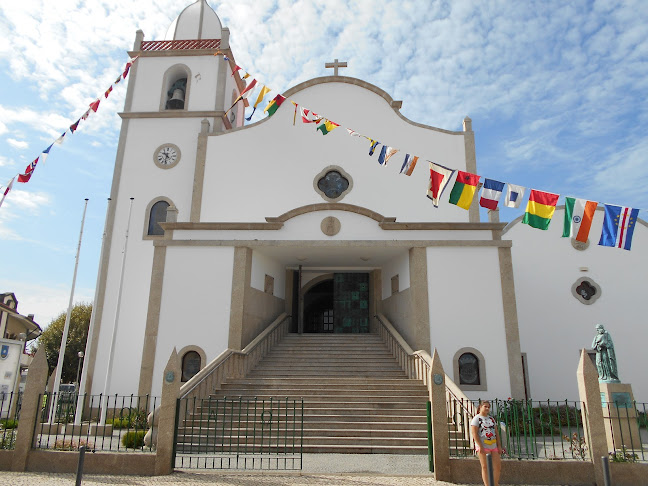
(620,416)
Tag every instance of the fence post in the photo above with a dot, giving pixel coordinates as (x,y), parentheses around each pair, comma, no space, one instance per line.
(29,411)
(167,415)
(592,412)
(440,441)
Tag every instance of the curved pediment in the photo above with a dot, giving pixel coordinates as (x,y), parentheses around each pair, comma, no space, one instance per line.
(330,207)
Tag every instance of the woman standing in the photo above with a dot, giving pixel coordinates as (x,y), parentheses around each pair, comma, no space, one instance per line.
(487,440)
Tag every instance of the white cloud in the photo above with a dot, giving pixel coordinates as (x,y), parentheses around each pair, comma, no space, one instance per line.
(19,144)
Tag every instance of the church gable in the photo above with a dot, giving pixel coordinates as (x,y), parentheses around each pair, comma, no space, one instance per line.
(272,166)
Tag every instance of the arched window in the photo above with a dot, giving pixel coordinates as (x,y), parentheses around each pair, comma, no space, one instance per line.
(469,369)
(175,88)
(157,215)
(190,365)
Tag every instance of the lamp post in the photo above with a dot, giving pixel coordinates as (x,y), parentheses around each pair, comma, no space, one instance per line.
(76,383)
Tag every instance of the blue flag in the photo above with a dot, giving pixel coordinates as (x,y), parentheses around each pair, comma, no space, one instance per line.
(618,226)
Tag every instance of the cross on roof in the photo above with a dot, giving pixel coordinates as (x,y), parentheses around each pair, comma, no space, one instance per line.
(335,65)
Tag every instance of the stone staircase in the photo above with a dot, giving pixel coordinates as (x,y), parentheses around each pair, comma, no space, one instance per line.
(357,399)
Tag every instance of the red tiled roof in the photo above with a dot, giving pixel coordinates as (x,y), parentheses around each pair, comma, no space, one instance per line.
(180,44)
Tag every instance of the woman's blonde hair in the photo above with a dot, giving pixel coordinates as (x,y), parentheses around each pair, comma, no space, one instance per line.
(481,404)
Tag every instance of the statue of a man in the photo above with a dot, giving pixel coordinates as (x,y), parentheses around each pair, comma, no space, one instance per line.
(605,358)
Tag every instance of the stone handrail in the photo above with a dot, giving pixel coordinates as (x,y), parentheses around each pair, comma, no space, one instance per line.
(229,364)
(418,365)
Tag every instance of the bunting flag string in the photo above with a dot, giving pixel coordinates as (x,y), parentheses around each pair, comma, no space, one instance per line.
(94,106)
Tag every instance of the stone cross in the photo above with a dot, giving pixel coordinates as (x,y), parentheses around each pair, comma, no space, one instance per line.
(335,65)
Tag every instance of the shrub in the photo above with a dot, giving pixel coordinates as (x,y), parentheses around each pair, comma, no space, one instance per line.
(133,439)
(133,418)
(622,455)
(7,439)
(72,444)
(8,424)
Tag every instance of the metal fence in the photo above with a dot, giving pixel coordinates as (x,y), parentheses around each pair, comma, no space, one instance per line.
(124,429)
(239,433)
(530,429)
(626,426)
(9,414)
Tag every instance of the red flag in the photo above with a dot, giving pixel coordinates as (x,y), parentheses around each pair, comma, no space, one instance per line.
(29,170)
(94,105)
(246,92)
(126,69)
(75,125)
(7,190)
(108,91)
(86,115)
(235,69)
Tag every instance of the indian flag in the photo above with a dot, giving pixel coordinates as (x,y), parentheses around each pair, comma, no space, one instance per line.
(579,214)
(464,189)
(540,209)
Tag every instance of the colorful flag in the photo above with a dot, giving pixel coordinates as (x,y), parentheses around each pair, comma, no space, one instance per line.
(75,125)
(579,214)
(327,127)
(247,75)
(439,178)
(308,116)
(95,105)
(117,80)
(108,91)
(408,164)
(45,153)
(86,114)
(60,139)
(540,209)
(618,226)
(353,133)
(126,69)
(236,68)
(274,104)
(385,154)
(6,191)
(514,195)
(248,90)
(491,194)
(373,146)
(464,189)
(224,57)
(29,170)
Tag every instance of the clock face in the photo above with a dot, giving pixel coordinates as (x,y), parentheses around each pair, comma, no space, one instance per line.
(166,156)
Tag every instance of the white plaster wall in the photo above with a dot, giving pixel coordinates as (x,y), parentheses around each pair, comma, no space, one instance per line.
(147,91)
(396,266)
(143,180)
(554,325)
(263,265)
(196,298)
(277,162)
(466,311)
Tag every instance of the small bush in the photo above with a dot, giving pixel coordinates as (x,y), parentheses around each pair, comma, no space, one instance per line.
(134,439)
(622,455)
(72,444)
(130,418)
(7,439)
(8,424)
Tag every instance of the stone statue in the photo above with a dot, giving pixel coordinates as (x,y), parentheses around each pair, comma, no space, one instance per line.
(605,358)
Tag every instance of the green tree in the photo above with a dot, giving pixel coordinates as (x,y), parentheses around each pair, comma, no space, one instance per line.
(77,336)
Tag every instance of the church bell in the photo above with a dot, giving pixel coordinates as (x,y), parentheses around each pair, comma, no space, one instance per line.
(177,100)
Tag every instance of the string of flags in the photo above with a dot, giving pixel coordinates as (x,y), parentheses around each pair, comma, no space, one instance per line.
(25,176)
(618,224)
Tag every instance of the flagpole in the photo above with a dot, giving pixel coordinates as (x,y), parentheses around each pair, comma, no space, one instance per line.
(66,326)
(111,354)
(88,348)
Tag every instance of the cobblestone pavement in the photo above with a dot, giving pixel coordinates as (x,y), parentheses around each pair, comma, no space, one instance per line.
(224,479)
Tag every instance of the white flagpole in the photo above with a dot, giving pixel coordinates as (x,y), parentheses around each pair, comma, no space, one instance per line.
(78,414)
(111,354)
(66,326)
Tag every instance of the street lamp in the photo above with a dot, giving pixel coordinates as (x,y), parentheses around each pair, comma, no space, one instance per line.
(76,383)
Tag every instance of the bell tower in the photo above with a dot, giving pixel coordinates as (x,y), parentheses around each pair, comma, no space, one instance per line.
(179,89)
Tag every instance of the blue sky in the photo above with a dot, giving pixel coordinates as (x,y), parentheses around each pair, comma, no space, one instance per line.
(556,91)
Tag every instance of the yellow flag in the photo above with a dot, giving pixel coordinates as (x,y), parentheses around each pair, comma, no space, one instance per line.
(264,91)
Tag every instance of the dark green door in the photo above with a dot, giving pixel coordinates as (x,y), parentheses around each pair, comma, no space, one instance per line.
(351,302)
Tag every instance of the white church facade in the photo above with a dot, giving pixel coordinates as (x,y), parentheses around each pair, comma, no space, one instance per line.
(231,225)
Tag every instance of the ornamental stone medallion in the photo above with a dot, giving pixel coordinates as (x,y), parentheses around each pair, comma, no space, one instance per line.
(586,290)
(580,245)
(330,226)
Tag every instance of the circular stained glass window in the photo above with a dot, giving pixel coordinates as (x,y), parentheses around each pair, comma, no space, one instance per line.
(333,184)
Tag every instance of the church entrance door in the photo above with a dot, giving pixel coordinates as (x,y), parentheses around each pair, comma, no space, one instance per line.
(338,305)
